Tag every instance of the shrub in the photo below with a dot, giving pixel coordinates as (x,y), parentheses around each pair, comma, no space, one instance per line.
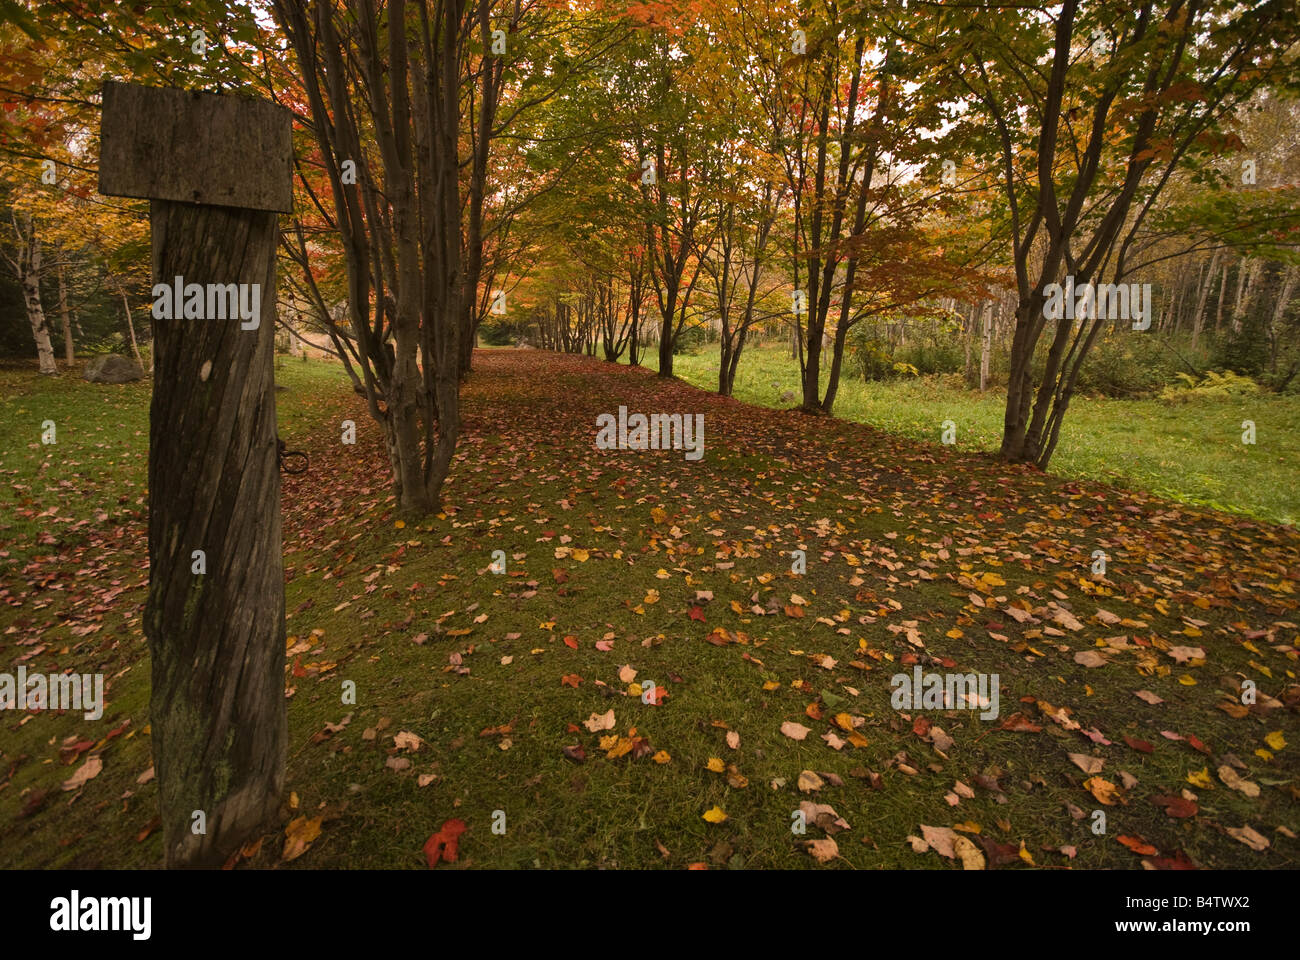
(1213,385)
(689,342)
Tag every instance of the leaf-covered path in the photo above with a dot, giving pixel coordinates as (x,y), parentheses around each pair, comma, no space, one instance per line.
(514,702)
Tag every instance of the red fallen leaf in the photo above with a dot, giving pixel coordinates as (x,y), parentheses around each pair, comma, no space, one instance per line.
(697,866)
(814,710)
(1175,806)
(575,753)
(1138,846)
(920,726)
(1196,744)
(1141,745)
(908,659)
(1178,861)
(149,828)
(298,671)
(69,754)
(570,680)
(697,613)
(572,728)
(571,642)
(718,637)
(793,611)
(443,843)
(1019,723)
(947,662)
(117,731)
(999,854)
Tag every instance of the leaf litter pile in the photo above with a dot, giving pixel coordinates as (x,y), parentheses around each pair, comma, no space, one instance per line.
(603,658)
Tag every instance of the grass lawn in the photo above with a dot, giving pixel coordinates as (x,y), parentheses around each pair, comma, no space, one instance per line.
(624,567)
(1183,451)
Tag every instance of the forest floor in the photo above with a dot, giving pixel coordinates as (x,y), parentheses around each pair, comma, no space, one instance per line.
(517,700)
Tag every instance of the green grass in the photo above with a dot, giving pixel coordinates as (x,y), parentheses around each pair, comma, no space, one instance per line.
(362,586)
(1183,451)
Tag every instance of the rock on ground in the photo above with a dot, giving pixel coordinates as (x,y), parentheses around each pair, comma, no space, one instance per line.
(112,368)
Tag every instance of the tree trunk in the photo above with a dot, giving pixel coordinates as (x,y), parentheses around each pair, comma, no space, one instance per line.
(30,278)
(216,639)
(130,326)
(986,345)
(1199,319)
(68,354)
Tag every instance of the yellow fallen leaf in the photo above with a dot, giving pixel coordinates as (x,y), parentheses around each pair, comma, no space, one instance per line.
(771,685)
(1187,680)
(1201,779)
(579,554)
(716,765)
(662,757)
(971,858)
(1025,855)
(715,814)
(1105,791)
(299,835)
(1276,740)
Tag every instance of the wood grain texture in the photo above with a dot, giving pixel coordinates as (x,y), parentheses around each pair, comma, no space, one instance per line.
(217,639)
(193,147)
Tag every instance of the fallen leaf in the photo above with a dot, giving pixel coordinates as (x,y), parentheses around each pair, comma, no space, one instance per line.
(87,771)
(299,835)
(795,731)
(822,850)
(443,845)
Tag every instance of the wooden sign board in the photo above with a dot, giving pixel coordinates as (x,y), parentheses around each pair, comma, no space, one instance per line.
(192,147)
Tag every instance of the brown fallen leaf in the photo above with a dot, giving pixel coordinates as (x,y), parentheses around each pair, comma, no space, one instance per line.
(1249,837)
(87,771)
(940,840)
(1088,764)
(795,731)
(1234,780)
(823,850)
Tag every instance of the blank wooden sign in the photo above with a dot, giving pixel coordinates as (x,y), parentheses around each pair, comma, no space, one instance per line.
(192,147)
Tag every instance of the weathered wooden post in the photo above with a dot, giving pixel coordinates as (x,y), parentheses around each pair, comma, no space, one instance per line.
(216,170)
